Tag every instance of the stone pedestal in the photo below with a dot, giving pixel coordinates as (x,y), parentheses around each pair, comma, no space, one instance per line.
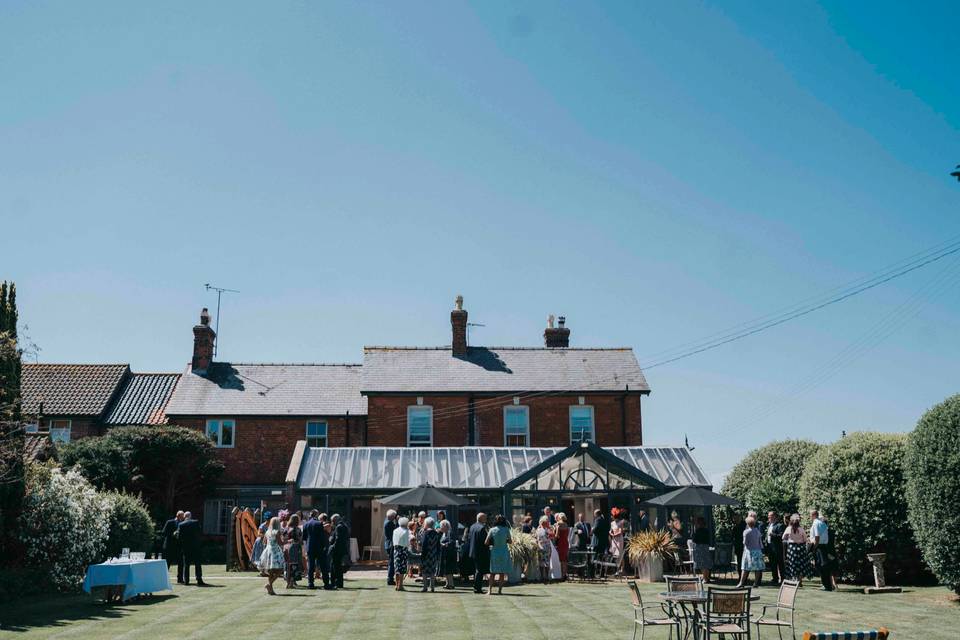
(879,580)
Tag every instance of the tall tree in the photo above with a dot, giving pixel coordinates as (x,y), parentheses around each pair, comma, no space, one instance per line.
(11,432)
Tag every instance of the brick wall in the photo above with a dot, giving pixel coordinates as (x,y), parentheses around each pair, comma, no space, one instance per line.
(549,419)
(264,445)
(80,426)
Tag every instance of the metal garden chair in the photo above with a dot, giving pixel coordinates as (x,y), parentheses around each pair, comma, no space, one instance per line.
(640,618)
(784,606)
(726,613)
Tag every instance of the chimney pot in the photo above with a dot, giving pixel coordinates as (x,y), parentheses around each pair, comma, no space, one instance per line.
(203,337)
(557,337)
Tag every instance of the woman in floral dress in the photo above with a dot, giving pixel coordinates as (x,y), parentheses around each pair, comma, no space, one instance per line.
(271,560)
(798,564)
(429,554)
(544,533)
(401,544)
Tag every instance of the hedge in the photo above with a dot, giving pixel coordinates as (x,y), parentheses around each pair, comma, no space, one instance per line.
(765,479)
(933,489)
(858,485)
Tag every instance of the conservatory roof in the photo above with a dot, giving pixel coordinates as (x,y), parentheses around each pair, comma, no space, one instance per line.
(478,468)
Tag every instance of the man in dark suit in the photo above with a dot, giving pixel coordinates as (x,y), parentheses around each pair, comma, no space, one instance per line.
(601,533)
(479,551)
(389,526)
(583,531)
(171,546)
(773,543)
(188,534)
(339,549)
(315,543)
(644,521)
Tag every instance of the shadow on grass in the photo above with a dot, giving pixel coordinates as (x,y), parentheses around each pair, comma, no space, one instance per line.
(59,611)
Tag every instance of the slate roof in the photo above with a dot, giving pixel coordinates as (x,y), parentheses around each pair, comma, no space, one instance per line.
(231,389)
(70,389)
(500,369)
(143,399)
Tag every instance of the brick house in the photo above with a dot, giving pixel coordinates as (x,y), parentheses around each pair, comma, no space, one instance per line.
(514,428)
(73,401)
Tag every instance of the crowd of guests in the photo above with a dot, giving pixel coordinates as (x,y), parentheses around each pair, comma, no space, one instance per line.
(438,550)
(288,548)
(792,552)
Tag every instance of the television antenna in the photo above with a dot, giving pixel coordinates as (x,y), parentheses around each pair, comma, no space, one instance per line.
(220,291)
(472,324)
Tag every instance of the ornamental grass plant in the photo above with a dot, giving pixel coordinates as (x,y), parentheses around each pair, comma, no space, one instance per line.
(523,548)
(650,544)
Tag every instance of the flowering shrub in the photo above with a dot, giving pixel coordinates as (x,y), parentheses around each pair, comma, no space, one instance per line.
(64,524)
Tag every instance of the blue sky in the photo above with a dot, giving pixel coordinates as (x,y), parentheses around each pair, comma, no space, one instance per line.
(654,171)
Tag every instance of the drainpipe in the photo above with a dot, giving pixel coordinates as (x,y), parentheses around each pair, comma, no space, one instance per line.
(623,416)
(471,422)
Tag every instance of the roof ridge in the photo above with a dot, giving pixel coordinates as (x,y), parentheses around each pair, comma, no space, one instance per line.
(76,364)
(294,364)
(497,348)
(154,373)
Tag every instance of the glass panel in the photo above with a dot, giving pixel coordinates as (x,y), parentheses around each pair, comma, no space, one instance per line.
(515,420)
(213,430)
(226,433)
(419,420)
(31,428)
(60,435)
(519,440)
(581,424)
(316,434)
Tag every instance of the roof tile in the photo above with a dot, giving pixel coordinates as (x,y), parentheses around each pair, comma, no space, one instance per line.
(70,389)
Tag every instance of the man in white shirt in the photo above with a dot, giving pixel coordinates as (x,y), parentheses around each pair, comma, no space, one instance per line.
(822,550)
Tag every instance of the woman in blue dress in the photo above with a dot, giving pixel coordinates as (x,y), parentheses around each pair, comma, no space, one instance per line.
(271,560)
(500,564)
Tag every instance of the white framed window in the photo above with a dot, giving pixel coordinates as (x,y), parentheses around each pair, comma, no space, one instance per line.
(216,515)
(420,426)
(222,433)
(60,430)
(316,433)
(516,426)
(581,423)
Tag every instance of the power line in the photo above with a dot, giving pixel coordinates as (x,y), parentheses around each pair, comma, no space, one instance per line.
(904,267)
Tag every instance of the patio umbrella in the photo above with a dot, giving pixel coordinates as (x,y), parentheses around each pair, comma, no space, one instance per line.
(692,497)
(425,495)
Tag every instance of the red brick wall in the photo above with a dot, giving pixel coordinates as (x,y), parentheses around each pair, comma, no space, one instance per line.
(80,426)
(264,446)
(549,419)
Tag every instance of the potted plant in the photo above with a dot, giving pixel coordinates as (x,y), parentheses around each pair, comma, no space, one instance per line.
(524,553)
(646,551)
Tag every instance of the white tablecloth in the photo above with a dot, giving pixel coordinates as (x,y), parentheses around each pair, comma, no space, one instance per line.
(136,576)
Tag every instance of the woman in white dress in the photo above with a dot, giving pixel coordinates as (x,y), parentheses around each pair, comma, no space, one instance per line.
(271,560)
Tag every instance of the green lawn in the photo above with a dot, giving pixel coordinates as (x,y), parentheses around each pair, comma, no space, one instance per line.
(236,607)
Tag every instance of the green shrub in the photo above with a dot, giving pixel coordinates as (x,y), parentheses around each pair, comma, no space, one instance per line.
(766,478)
(130,525)
(933,489)
(168,466)
(858,485)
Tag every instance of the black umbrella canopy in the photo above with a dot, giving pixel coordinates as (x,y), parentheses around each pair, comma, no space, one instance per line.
(692,497)
(424,496)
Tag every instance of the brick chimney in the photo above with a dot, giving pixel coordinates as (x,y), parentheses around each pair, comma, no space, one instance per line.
(203,337)
(458,322)
(556,337)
